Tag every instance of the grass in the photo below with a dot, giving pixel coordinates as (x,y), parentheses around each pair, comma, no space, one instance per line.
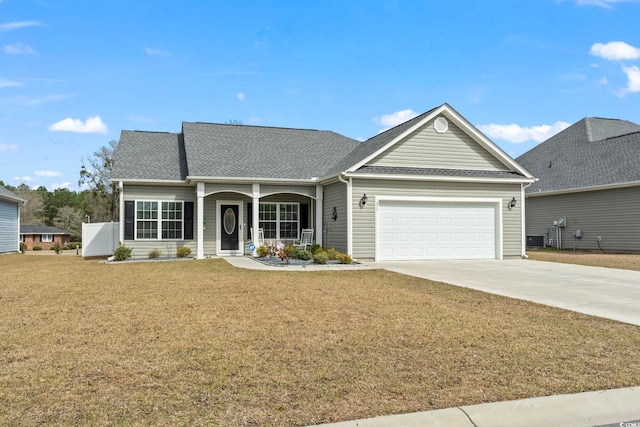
(623,261)
(202,343)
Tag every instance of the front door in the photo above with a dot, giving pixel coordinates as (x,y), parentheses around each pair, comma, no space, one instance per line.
(229,227)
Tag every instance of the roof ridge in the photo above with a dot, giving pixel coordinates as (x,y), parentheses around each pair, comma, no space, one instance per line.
(256,126)
(152,131)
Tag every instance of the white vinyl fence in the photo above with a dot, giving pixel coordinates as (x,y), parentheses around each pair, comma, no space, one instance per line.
(100,238)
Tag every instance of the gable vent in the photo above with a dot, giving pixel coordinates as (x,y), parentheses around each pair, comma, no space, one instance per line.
(441,125)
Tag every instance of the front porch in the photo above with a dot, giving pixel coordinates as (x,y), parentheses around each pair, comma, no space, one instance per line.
(226,215)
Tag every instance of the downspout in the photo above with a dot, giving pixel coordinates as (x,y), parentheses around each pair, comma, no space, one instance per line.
(121,214)
(522,220)
(349,213)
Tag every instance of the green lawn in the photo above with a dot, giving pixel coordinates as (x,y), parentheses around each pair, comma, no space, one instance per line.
(202,343)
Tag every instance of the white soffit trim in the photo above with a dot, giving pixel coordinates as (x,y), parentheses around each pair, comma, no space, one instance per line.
(439,178)
(585,189)
(152,182)
(249,180)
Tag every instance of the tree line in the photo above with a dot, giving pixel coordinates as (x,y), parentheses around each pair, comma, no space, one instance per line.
(68,209)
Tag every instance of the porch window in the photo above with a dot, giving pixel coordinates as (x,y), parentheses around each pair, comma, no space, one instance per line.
(279,220)
(47,238)
(149,220)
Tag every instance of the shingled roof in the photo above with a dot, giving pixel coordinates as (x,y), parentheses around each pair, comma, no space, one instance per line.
(8,195)
(41,229)
(592,152)
(221,150)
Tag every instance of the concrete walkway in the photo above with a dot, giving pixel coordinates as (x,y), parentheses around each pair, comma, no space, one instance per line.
(619,407)
(609,293)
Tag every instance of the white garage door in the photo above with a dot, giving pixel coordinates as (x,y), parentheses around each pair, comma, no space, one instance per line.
(415,230)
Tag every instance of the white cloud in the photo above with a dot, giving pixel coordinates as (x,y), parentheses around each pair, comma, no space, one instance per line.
(240,96)
(16,25)
(156,52)
(47,174)
(615,51)
(517,134)
(8,83)
(8,147)
(633,76)
(92,125)
(55,186)
(600,3)
(603,81)
(396,118)
(18,49)
(23,179)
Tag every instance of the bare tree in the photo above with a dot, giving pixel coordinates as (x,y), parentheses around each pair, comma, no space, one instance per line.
(31,212)
(69,219)
(98,177)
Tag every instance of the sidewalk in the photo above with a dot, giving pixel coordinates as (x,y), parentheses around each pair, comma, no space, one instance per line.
(619,407)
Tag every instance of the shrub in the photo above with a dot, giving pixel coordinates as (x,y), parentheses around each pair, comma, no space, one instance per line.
(343,258)
(154,253)
(122,252)
(183,252)
(286,253)
(262,251)
(314,248)
(23,247)
(331,253)
(36,248)
(72,245)
(56,248)
(302,254)
(320,258)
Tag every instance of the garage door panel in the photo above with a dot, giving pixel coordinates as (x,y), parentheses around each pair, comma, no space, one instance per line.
(436,230)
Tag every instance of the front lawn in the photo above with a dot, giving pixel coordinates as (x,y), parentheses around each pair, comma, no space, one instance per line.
(202,343)
(597,259)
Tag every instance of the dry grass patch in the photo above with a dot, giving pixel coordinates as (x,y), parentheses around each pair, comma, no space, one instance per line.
(199,342)
(623,261)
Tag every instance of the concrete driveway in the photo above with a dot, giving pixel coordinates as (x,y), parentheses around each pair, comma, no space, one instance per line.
(604,292)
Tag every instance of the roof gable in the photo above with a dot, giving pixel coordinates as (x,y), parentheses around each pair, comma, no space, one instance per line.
(484,153)
(590,153)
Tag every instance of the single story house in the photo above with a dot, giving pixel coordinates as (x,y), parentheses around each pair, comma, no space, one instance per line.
(43,236)
(433,187)
(588,192)
(9,221)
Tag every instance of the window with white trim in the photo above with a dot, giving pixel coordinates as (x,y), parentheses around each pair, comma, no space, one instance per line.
(46,238)
(152,216)
(279,220)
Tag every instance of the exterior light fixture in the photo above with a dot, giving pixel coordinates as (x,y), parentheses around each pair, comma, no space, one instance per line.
(334,215)
(512,203)
(363,201)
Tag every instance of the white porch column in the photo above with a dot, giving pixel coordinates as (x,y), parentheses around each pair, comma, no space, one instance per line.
(121,219)
(200,219)
(319,216)
(255,220)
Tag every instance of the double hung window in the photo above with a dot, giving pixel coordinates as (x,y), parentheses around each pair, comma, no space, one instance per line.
(280,220)
(152,216)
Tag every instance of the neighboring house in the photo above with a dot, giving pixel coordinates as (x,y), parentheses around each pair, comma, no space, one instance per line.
(589,185)
(43,236)
(9,221)
(433,187)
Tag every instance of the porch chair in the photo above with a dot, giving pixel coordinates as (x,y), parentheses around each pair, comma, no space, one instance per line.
(260,240)
(306,238)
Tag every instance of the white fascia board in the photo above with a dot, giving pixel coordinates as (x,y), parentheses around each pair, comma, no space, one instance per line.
(250,180)
(440,178)
(151,182)
(12,199)
(396,139)
(585,189)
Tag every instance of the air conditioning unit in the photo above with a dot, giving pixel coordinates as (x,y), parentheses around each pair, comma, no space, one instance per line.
(535,241)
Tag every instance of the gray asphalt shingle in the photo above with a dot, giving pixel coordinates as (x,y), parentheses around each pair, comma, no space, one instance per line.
(395,170)
(150,155)
(592,152)
(41,229)
(8,195)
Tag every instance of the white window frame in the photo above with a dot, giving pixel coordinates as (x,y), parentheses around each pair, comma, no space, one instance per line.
(46,238)
(158,220)
(278,221)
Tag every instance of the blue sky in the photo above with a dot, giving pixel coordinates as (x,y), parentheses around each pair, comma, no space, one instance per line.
(73,74)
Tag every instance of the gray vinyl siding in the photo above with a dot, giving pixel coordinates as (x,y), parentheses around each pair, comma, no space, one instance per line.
(364,218)
(426,148)
(141,248)
(8,226)
(612,214)
(335,232)
(236,188)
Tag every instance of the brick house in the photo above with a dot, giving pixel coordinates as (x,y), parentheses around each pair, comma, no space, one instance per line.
(43,236)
